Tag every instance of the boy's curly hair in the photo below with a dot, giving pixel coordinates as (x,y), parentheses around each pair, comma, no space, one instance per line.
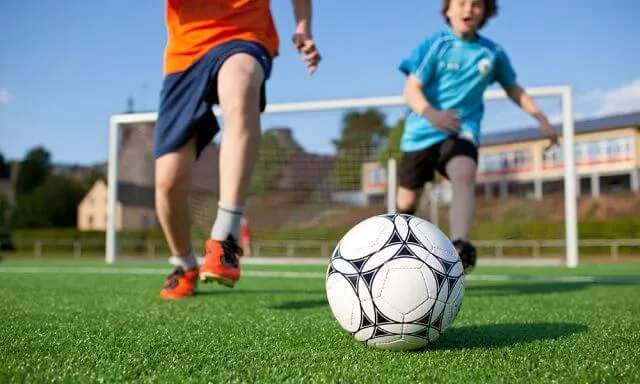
(490,10)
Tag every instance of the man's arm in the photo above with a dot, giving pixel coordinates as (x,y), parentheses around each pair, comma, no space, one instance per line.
(302,36)
(522,99)
(302,13)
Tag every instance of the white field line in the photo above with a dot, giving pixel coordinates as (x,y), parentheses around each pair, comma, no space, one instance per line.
(144,271)
(313,275)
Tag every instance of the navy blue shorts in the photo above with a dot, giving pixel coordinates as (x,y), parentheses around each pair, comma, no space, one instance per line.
(187,98)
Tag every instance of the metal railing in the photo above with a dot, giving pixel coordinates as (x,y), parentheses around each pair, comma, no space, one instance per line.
(612,249)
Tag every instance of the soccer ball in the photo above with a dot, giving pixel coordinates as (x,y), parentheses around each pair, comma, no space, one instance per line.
(395,282)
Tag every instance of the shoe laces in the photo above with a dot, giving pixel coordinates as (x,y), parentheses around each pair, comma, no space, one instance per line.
(231,250)
(174,277)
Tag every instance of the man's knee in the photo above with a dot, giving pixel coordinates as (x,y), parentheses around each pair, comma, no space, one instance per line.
(173,170)
(240,80)
(170,182)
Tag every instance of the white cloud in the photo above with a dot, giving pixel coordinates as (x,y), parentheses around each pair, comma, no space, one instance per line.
(5,96)
(622,99)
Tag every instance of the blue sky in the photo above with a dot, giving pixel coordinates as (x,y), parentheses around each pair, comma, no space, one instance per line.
(67,65)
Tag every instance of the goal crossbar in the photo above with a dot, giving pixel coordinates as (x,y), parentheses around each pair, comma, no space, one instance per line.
(564,92)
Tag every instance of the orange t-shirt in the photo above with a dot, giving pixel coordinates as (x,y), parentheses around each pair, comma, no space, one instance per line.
(196,26)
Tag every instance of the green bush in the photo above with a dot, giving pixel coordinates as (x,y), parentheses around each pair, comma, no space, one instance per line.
(135,242)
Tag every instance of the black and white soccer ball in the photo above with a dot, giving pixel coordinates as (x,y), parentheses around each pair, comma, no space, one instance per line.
(395,282)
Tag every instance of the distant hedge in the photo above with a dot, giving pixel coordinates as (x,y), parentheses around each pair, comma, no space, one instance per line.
(512,230)
(136,241)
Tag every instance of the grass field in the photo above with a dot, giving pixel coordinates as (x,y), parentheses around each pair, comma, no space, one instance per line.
(84,322)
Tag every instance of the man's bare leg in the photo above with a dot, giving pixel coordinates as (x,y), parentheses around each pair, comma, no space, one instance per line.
(239,83)
(173,177)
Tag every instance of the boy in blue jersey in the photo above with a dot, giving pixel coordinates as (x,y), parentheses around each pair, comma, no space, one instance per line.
(447,76)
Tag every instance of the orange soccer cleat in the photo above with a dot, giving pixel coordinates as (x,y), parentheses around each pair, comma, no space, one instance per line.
(181,283)
(221,262)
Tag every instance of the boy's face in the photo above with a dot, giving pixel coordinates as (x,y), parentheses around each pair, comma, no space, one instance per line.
(465,16)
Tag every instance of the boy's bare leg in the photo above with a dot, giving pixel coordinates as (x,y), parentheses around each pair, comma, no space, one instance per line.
(407,200)
(461,171)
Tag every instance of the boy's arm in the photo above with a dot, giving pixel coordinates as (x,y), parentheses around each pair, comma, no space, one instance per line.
(522,99)
(302,36)
(447,121)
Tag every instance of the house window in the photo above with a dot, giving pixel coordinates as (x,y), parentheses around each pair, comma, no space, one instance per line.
(581,151)
(377,176)
(521,159)
(553,156)
(593,150)
(490,162)
(90,220)
(618,147)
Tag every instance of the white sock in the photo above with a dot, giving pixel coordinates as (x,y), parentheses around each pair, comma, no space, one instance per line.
(188,262)
(227,222)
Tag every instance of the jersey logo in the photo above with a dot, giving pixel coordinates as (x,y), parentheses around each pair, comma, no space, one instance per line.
(449,65)
(484,66)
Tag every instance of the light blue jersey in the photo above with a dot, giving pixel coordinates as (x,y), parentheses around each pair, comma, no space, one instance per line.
(455,74)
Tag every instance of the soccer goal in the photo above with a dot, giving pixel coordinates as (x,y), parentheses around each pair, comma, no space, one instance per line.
(325,165)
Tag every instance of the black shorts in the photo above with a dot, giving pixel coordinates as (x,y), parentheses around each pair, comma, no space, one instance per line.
(187,98)
(419,167)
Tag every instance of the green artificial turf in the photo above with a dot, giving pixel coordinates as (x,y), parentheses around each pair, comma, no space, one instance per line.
(75,322)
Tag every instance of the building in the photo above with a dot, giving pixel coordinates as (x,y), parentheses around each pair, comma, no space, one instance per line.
(134,208)
(298,175)
(607,153)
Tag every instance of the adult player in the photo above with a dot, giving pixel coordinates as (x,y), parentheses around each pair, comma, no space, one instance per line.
(217,52)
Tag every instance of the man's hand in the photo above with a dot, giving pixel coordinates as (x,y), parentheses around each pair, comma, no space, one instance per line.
(305,45)
(445,121)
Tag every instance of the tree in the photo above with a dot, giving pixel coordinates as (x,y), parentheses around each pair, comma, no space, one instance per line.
(53,203)
(272,159)
(4,210)
(90,179)
(362,134)
(33,171)
(391,148)
(5,168)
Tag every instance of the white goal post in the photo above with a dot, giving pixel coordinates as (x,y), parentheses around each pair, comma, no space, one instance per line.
(570,179)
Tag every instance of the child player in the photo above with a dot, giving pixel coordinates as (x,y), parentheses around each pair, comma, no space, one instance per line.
(217,52)
(447,75)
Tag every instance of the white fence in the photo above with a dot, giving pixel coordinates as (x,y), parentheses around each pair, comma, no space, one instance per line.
(612,249)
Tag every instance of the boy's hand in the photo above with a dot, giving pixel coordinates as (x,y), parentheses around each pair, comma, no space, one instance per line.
(446,121)
(548,131)
(306,46)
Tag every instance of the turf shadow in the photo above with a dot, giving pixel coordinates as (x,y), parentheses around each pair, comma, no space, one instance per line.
(303,304)
(503,335)
(257,292)
(523,287)
(508,289)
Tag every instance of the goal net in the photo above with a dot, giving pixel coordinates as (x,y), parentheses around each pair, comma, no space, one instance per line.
(326,165)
